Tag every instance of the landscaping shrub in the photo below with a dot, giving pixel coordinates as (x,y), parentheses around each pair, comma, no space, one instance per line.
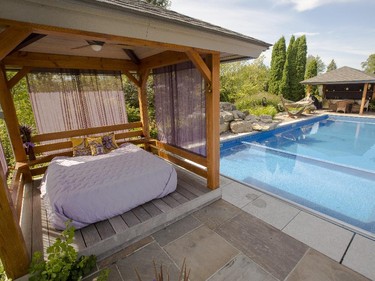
(250,101)
(263,110)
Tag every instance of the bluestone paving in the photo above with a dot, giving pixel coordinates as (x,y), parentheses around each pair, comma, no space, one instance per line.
(239,194)
(361,256)
(273,250)
(271,210)
(315,266)
(241,268)
(205,252)
(319,234)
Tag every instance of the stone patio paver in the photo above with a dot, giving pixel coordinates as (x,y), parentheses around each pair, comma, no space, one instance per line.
(216,213)
(205,252)
(361,256)
(241,268)
(315,266)
(142,260)
(114,274)
(275,251)
(319,234)
(271,210)
(238,194)
(176,230)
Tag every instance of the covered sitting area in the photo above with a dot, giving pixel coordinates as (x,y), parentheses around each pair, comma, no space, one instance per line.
(50,38)
(345,89)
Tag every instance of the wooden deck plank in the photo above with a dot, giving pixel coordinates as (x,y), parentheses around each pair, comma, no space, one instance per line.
(152,209)
(130,219)
(186,193)
(191,186)
(90,235)
(164,207)
(192,178)
(105,229)
(170,201)
(118,224)
(179,198)
(141,213)
(78,241)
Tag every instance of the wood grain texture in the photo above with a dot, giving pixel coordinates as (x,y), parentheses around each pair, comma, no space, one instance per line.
(11,37)
(200,65)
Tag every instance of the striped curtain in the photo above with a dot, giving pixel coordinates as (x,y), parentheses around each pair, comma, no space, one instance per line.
(64,100)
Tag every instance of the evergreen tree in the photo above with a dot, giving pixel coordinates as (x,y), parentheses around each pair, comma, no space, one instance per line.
(320,63)
(277,66)
(299,91)
(332,66)
(312,71)
(289,73)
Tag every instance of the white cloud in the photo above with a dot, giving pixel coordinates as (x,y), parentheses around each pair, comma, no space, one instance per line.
(305,5)
(306,33)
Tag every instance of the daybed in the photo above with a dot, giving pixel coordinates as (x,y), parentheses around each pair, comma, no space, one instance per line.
(88,189)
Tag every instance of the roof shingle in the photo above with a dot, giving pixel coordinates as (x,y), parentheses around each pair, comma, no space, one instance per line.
(342,75)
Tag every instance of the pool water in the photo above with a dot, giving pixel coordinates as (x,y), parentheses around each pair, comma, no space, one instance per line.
(326,164)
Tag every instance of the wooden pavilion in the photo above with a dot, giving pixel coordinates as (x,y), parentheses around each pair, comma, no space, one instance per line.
(345,83)
(134,38)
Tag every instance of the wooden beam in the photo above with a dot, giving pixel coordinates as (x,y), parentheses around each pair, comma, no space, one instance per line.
(10,38)
(363,98)
(132,78)
(16,78)
(200,65)
(132,56)
(64,61)
(163,59)
(143,105)
(29,40)
(11,120)
(13,252)
(212,124)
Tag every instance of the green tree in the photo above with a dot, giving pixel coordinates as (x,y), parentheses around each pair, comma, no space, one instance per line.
(289,73)
(369,65)
(299,91)
(312,71)
(320,63)
(277,66)
(332,66)
(160,3)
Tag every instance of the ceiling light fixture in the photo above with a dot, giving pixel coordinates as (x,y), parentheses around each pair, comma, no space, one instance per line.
(96,47)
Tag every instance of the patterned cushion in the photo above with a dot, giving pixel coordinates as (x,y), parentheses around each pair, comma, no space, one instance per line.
(96,146)
(80,147)
(109,142)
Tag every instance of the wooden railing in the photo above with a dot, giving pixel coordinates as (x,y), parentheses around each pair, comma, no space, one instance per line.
(63,147)
(186,159)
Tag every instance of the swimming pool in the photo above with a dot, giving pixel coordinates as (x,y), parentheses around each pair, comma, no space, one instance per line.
(326,164)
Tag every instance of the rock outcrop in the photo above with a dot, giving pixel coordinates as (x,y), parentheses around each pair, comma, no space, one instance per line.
(236,121)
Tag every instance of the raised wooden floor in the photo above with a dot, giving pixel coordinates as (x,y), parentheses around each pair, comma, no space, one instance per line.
(109,236)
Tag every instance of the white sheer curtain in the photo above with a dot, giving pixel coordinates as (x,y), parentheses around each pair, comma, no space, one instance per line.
(64,100)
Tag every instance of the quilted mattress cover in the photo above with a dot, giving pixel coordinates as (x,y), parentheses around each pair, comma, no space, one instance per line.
(88,189)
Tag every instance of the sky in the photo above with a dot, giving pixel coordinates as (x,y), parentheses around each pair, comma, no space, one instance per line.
(343,30)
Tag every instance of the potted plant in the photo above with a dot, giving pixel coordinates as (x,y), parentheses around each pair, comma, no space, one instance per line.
(26,132)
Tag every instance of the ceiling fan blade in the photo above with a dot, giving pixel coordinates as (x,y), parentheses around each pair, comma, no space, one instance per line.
(80,47)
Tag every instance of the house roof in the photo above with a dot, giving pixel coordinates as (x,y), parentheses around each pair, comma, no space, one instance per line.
(342,75)
(127,19)
(144,8)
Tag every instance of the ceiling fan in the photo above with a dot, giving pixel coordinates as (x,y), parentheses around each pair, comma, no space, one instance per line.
(95,45)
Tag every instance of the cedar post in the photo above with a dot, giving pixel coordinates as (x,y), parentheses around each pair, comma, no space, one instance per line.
(13,252)
(363,98)
(212,122)
(11,120)
(142,97)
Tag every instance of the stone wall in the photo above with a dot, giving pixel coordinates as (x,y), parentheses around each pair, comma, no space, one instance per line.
(235,121)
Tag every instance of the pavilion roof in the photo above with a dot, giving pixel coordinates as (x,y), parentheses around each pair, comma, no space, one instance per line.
(342,75)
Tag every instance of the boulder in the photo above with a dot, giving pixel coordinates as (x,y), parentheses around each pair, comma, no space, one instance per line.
(241,126)
(227,116)
(238,114)
(251,118)
(266,118)
(260,126)
(224,127)
(227,106)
